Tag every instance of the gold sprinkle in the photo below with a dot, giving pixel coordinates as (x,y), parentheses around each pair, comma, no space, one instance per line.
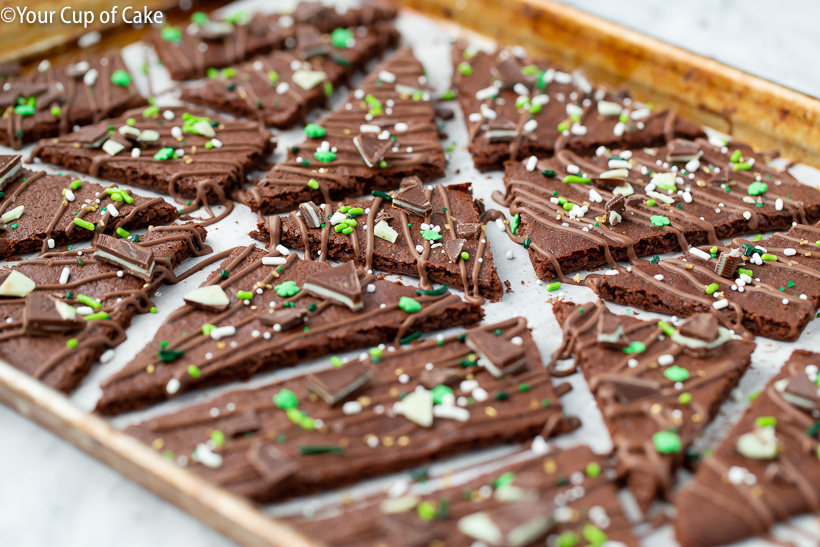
(446,226)
(387,441)
(193,150)
(757,491)
(701,184)
(701,373)
(399,371)
(220,345)
(344,442)
(550,467)
(491,412)
(394,392)
(696,418)
(149,369)
(157,444)
(365,401)
(577,278)
(404,440)
(688,267)
(656,408)
(534,405)
(254,307)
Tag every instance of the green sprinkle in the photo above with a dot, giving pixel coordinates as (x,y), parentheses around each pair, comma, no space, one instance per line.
(766,421)
(430,235)
(667,329)
(563,126)
(311,449)
(594,535)
(750,273)
(636,346)
(465,68)
(122,232)
(659,220)
(383,195)
(768,257)
(286,289)
(89,301)
(153,309)
(685,398)
(96,316)
(207,328)
(744,166)
(166,153)
(342,38)
(217,437)
(193,371)
(757,188)
(527,242)
(554,286)
(593,470)
(465,255)
(224,274)
(426,510)
(315,131)
(736,156)
(440,392)
(324,156)
(567,539)
(336,361)
(171,34)
(56,111)
(506,479)
(169,355)
(285,399)
(432,292)
(244,295)
(666,442)
(121,78)
(24,110)
(576,179)
(313,183)
(516,221)
(676,373)
(650,202)
(409,305)
(712,288)
(71,342)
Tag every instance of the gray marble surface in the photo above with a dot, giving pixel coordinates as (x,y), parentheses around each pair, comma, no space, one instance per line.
(53,495)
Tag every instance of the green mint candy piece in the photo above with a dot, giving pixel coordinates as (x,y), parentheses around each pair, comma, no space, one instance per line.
(409,305)
(121,77)
(286,399)
(315,131)
(666,442)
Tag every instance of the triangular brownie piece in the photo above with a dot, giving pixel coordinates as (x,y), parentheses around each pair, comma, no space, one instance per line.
(520,509)
(43,212)
(54,100)
(393,104)
(380,234)
(172,150)
(516,107)
(65,310)
(657,394)
(281,88)
(205,44)
(197,347)
(773,292)
(582,211)
(313,440)
(765,470)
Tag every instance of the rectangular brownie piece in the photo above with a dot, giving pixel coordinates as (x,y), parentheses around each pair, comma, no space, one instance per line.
(765,470)
(516,107)
(392,410)
(279,89)
(189,52)
(175,150)
(396,240)
(384,132)
(768,288)
(658,385)
(55,100)
(665,198)
(91,301)
(263,311)
(43,211)
(566,497)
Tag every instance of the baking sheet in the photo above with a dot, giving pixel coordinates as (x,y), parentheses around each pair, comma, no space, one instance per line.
(528,297)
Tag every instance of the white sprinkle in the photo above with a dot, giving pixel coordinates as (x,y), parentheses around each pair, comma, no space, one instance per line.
(720,304)
(173,386)
(107,356)
(274,260)
(50,242)
(659,277)
(510,255)
(785,301)
(206,457)
(666,359)
(282,250)
(531,162)
(530,126)
(64,275)
(223,332)
(168,115)
(352,407)
(480,394)
(789,252)
(113,210)
(703,255)
(282,88)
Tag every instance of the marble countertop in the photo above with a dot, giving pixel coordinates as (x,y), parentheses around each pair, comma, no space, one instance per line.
(52,494)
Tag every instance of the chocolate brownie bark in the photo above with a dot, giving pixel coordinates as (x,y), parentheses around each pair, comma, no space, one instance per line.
(516,107)
(390,409)
(563,497)
(281,88)
(55,100)
(263,311)
(41,212)
(765,470)
(766,287)
(385,131)
(577,212)
(432,233)
(65,310)
(190,51)
(657,385)
(178,151)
